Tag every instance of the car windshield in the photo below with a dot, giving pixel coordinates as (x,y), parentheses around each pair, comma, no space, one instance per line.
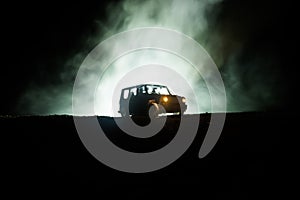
(157,89)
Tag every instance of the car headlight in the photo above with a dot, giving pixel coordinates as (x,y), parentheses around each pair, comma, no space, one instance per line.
(183,100)
(165,99)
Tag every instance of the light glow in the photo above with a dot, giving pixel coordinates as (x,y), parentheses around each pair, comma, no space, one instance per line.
(165,99)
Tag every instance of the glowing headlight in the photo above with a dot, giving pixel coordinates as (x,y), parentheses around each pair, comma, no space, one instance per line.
(165,99)
(183,100)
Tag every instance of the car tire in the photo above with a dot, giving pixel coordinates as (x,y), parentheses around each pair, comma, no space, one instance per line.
(153,110)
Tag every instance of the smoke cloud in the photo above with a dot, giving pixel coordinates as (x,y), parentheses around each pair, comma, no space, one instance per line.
(247,87)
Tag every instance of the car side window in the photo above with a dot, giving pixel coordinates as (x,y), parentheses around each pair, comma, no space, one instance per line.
(149,89)
(133,92)
(125,94)
(142,90)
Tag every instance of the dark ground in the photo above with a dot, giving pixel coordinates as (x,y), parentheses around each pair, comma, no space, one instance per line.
(46,156)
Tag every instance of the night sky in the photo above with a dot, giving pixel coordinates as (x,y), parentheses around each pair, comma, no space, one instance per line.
(41,40)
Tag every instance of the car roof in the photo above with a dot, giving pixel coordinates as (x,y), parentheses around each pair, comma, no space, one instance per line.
(136,86)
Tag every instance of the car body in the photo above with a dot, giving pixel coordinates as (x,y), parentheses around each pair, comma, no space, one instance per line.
(145,99)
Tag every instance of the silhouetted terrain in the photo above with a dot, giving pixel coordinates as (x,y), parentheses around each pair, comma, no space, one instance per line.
(46,155)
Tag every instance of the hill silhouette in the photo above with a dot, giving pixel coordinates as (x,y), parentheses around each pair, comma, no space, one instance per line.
(46,154)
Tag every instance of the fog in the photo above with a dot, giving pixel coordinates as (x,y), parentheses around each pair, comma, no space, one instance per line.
(247,88)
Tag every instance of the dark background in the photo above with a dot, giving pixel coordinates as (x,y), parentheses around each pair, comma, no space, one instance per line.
(38,39)
(46,155)
(40,36)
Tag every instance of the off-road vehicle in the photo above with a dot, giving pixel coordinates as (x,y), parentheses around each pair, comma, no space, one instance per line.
(150,99)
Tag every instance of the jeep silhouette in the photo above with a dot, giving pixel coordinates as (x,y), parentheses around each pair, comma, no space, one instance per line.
(150,99)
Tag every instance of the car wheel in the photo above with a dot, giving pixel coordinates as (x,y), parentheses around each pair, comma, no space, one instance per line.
(153,111)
